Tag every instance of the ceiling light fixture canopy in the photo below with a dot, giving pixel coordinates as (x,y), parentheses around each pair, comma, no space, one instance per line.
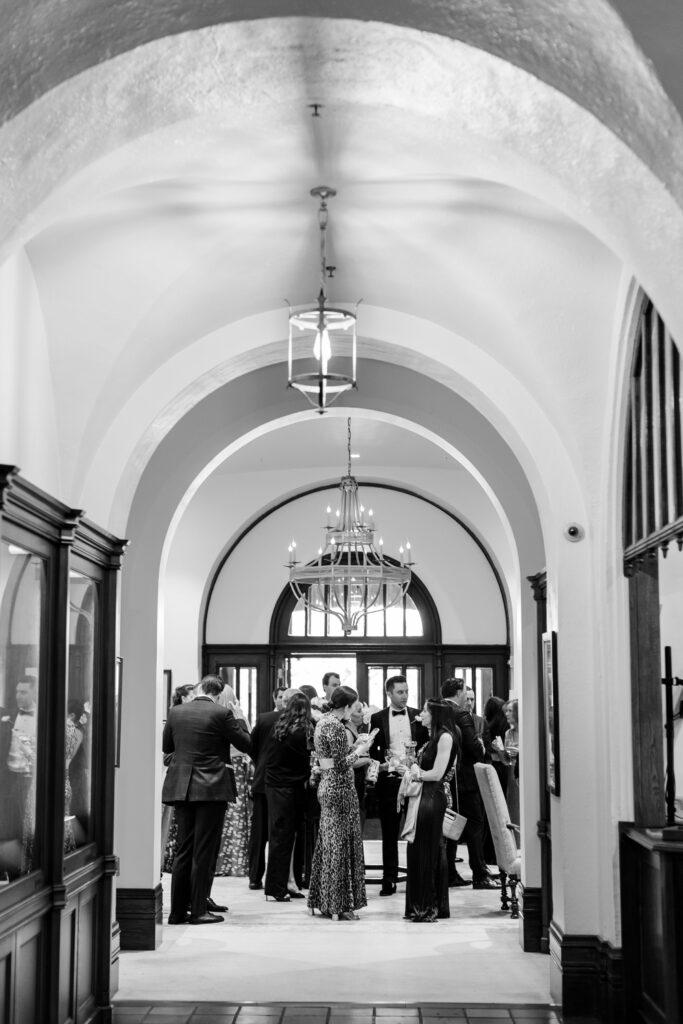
(351,577)
(322,338)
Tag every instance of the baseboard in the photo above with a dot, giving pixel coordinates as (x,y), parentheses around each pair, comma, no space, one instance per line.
(138,912)
(586,976)
(531,920)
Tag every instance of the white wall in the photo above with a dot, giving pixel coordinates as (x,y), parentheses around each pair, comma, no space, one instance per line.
(448,561)
(29,431)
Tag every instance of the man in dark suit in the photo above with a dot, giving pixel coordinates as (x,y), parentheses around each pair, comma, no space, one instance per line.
(199,784)
(468,795)
(396,726)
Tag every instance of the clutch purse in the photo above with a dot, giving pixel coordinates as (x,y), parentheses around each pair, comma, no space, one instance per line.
(453,825)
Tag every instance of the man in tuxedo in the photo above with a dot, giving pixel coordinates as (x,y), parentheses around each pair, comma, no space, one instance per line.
(18,736)
(258,836)
(469,797)
(199,784)
(330,683)
(396,726)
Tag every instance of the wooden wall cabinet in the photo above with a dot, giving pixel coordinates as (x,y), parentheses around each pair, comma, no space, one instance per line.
(58,579)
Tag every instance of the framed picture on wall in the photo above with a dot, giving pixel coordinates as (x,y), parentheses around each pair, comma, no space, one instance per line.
(168,690)
(118,679)
(551,712)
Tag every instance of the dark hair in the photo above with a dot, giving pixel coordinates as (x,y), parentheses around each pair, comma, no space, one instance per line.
(341,697)
(328,676)
(309,691)
(280,688)
(443,720)
(295,715)
(393,681)
(452,686)
(75,707)
(211,685)
(180,692)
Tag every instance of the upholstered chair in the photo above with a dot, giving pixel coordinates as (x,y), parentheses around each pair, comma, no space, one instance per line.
(502,833)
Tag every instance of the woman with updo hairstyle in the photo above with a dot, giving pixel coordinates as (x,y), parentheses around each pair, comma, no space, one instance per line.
(288,765)
(337,884)
(511,758)
(427,877)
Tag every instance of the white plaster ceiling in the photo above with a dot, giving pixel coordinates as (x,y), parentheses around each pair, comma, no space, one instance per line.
(184,213)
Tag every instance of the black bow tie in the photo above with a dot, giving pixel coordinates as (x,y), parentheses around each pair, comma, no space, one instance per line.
(22,712)
(403,712)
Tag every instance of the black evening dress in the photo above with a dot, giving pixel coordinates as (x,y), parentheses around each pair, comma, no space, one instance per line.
(427,878)
(337,882)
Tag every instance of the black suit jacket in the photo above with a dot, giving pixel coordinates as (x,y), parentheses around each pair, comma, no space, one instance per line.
(471,751)
(260,740)
(380,721)
(199,735)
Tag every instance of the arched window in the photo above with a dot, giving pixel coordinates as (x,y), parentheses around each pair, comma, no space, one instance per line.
(414,618)
(400,620)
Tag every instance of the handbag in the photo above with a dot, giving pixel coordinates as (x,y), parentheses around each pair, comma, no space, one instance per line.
(454,822)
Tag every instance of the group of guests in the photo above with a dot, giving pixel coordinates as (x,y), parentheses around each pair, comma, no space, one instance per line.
(305,753)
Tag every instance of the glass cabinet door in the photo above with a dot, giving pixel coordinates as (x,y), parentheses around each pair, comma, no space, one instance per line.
(23,591)
(83,637)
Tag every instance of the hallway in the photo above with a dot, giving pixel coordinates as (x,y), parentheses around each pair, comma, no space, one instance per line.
(270,953)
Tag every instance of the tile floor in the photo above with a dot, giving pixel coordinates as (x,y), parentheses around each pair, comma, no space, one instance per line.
(310,1013)
(271,963)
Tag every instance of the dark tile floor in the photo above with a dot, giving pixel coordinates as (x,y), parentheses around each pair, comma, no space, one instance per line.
(340,1013)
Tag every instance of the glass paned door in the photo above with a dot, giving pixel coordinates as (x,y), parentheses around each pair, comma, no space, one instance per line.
(378,675)
(83,637)
(244,681)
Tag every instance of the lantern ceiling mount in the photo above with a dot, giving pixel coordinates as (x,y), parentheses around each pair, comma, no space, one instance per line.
(322,355)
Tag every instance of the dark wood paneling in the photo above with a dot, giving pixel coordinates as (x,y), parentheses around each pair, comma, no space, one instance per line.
(67,953)
(646,695)
(138,912)
(6,948)
(28,976)
(591,972)
(531,919)
(652,925)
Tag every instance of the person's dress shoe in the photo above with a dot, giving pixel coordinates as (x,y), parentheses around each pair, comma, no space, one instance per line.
(296,894)
(388,889)
(457,881)
(279,899)
(256,885)
(174,919)
(207,919)
(485,883)
(215,908)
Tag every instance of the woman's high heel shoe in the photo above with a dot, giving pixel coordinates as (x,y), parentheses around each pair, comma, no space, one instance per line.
(348,915)
(278,899)
(296,895)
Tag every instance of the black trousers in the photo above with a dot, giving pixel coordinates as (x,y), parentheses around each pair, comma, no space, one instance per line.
(200,825)
(258,838)
(285,819)
(471,805)
(386,792)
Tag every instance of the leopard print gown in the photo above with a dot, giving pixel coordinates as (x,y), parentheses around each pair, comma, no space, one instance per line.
(338,870)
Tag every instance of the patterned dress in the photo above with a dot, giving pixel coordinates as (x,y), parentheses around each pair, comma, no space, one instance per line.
(337,882)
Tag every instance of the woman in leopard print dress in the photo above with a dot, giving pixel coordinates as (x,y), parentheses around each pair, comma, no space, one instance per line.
(337,886)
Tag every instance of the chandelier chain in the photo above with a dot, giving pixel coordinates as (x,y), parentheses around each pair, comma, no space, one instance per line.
(348,446)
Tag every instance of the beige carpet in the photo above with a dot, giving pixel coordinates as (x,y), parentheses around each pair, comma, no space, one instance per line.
(277,952)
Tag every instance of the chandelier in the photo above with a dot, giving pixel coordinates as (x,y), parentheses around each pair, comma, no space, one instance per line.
(324,337)
(351,577)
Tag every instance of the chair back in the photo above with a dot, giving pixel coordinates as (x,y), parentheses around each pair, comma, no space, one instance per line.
(507,854)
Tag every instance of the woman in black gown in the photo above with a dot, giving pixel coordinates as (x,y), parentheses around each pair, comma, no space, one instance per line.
(287,770)
(427,878)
